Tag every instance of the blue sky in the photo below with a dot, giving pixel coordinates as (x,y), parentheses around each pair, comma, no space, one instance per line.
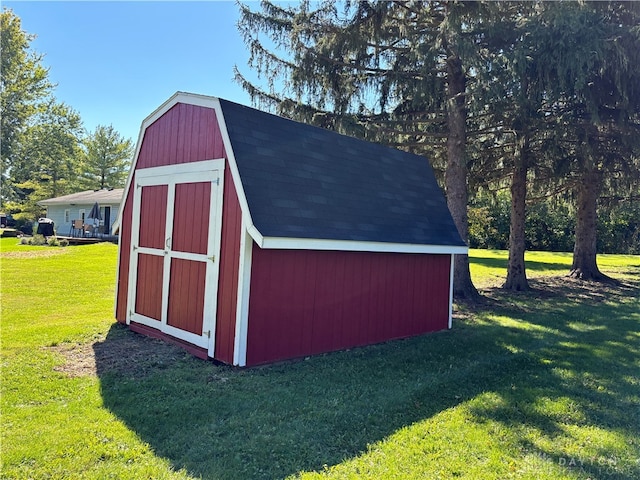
(116,62)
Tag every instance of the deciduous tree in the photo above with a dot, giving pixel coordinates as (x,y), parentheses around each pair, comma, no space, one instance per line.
(49,155)
(24,86)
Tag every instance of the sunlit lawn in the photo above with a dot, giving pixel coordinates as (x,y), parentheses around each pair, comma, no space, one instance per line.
(538,385)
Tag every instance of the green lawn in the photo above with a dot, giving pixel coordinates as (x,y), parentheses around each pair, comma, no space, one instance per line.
(538,385)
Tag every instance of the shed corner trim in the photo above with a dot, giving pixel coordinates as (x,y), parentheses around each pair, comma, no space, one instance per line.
(256,235)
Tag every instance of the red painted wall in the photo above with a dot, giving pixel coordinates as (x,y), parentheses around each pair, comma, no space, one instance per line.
(186,295)
(184,134)
(191,217)
(153,206)
(307,302)
(123,262)
(149,286)
(229,266)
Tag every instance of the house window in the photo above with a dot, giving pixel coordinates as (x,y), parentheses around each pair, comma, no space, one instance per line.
(67,216)
(81,213)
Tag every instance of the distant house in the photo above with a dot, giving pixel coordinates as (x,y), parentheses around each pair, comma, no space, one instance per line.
(77,206)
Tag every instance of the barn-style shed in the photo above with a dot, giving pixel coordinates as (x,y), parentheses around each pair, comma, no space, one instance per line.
(250,238)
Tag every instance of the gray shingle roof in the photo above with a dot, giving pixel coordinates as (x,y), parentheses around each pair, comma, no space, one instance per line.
(301,181)
(88,197)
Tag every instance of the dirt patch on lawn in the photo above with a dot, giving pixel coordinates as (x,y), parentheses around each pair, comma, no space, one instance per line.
(40,253)
(121,352)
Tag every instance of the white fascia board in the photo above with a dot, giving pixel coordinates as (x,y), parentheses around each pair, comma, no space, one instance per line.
(233,166)
(256,235)
(278,243)
(180,97)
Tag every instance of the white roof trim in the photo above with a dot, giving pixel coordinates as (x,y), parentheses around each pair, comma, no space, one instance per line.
(233,166)
(256,235)
(350,245)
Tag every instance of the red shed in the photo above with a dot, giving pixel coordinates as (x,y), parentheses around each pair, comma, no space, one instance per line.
(250,238)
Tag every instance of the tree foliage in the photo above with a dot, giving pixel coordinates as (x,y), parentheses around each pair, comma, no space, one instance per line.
(24,84)
(551,224)
(392,72)
(44,154)
(535,96)
(107,158)
(46,163)
(592,91)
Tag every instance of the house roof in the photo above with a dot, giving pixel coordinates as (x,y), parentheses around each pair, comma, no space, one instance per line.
(306,182)
(88,197)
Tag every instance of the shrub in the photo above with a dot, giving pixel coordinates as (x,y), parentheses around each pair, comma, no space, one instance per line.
(64,242)
(38,240)
(53,242)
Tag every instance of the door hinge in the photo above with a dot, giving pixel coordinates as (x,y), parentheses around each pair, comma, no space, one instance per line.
(212,258)
(207,333)
(218,181)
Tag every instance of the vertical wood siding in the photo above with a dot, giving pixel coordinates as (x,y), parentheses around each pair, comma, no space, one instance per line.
(149,287)
(187,277)
(186,297)
(307,302)
(229,267)
(153,214)
(191,217)
(123,262)
(185,133)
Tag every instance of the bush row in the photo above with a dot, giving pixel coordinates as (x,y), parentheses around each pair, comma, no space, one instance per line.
(42,240)
(550,226)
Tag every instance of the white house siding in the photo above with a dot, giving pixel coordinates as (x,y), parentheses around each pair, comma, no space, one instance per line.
(56,213)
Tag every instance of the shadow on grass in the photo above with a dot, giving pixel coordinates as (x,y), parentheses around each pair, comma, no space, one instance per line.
(270,422)
(585,342)
(531,265)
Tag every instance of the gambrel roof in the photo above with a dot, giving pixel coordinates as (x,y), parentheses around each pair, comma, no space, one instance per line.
(304,187)
(302,181)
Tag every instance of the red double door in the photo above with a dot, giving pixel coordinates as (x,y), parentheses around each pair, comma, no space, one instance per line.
(175,244)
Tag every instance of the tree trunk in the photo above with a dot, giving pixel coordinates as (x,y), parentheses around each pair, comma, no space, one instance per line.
(456,174)
(516,270)
(584,252)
